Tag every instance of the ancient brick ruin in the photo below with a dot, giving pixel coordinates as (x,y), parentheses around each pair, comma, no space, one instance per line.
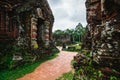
(26,24)
(104,29)
(102,39)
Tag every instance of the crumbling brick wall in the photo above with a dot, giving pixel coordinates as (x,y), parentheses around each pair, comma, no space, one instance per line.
(26,25)
(102,42)
(103,17)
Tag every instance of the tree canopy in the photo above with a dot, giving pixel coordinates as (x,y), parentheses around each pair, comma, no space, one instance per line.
(76,33)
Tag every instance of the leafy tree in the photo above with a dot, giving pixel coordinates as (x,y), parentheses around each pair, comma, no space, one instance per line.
(79,32)
(58,32)
(69,31)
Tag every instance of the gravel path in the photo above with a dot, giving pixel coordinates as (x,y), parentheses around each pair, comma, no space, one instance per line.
(52,69)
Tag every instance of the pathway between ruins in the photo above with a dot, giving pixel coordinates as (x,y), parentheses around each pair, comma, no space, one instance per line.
(52,69)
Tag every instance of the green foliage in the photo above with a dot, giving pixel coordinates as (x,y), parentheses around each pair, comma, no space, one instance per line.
(7,56)
(114,78)
(13,74)
(79,32)
(66,76)
(87,70)
(88,73)
(74,48)
(58,32)
(6,62)
(75,34)
(69,31)
(90,70)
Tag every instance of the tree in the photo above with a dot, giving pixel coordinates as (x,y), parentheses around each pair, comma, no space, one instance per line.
(58,32)
(79,32)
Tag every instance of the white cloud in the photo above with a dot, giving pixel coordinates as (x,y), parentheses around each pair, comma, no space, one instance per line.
(68,13)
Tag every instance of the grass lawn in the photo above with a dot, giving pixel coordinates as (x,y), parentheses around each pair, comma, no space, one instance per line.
(66,76)
(21,71)
(74,48)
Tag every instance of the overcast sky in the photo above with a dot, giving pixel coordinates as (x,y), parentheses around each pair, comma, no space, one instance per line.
(68,13)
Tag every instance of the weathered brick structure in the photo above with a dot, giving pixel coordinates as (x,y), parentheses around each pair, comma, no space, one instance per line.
(26,24)
(102,39)
(104,26)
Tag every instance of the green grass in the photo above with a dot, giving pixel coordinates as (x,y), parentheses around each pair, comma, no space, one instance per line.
(25,69)
(66,76)
(77,48)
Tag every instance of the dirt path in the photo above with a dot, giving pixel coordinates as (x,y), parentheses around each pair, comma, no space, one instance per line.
(52,69)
